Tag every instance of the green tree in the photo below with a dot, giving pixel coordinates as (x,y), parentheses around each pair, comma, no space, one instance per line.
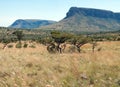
(79,41)
(59,38)
(19,34)
(5,37)
(45,40)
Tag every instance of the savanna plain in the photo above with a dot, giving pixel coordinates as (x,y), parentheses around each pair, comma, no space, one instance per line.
(35,67)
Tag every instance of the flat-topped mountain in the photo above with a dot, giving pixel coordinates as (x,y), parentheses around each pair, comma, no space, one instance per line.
(93,13)
(30,23)
(88,20)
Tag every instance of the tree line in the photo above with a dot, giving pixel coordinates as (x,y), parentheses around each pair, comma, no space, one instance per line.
(56,40)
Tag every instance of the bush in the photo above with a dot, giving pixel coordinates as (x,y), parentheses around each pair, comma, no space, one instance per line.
(10,46)
(25,45)
(18,34)
(18,45)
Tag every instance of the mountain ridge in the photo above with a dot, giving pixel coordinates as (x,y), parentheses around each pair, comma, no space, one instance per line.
(30,23)
(87,20)
(100,13)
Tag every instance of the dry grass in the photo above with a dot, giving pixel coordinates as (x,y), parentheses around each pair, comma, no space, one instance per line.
(35,67)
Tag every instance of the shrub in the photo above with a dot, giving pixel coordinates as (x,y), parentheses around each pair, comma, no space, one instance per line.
(18,34)
(99,49)
(29,65)
(10,46)
(25,45)
(45,40)
(18,45)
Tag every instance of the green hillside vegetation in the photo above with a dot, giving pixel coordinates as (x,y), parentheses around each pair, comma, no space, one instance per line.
(87,20)
(80,23)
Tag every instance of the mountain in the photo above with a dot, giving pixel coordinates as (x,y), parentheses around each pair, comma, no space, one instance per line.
(87,20)
(30,23)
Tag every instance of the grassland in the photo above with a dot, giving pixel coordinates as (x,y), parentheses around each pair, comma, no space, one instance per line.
(35,67)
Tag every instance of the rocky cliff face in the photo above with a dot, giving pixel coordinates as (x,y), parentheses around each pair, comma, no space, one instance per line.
(88,20)
(93,13)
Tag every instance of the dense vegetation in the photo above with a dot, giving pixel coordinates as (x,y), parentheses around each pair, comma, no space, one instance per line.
(56,40)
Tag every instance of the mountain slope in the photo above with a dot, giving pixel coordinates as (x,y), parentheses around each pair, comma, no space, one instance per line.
(88,20)
(30,23)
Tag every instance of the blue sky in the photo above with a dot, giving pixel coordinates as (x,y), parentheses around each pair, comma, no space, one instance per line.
(12,10)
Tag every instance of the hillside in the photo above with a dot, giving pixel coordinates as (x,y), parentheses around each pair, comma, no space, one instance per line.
(30,23)
(88,20)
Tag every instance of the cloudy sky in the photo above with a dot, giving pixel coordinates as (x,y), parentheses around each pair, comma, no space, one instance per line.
(12,10)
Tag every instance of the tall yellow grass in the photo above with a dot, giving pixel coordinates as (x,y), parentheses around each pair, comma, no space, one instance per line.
(35,67)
